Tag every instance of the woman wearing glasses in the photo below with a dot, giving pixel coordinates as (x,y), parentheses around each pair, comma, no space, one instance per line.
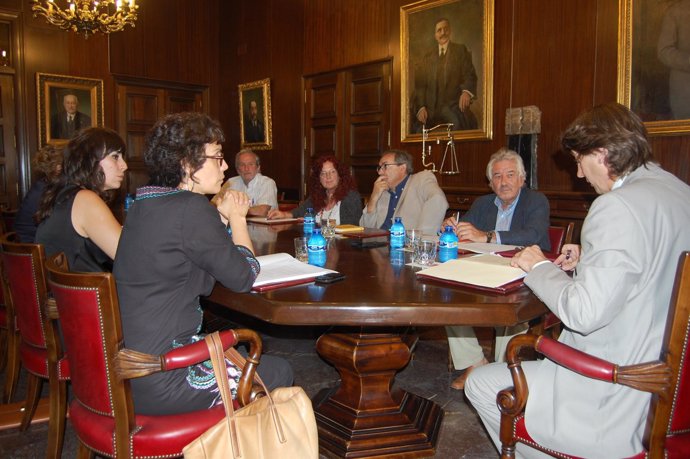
(75,215)
(174,247)
(333,195)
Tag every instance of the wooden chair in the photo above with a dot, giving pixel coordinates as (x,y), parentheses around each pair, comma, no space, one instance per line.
(39,350)
(668,425)
(9,346)
(102,412)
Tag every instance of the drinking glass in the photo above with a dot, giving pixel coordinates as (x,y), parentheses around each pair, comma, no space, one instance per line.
(412,237)
(425,252)
(301,252)
(328,227)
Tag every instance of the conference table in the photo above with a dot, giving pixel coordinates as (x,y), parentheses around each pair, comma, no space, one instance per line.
(369,309)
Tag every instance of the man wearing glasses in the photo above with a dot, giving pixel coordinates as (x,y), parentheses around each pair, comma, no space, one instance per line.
(397,192)
(262,190)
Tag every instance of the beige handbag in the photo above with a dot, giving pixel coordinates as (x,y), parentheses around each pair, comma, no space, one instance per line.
(281,424)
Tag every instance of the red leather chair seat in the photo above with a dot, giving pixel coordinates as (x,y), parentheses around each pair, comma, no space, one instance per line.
(155,436)
(3,317)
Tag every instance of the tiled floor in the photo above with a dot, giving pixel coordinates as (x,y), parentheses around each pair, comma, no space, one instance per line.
(462,435)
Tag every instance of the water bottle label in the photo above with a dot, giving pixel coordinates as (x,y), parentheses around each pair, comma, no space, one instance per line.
(447,244)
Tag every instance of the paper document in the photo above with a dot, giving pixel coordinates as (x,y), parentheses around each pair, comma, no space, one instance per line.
(273,221)
(485,247)
(283,267)
(483,270)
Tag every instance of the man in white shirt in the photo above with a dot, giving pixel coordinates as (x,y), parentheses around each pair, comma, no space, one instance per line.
(262,190)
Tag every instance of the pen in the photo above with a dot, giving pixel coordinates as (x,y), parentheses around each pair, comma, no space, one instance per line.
(457,216)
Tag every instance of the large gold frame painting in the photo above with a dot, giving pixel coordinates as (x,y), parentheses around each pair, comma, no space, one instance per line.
(652,80)
(52,93)
(456,85)
(255,115)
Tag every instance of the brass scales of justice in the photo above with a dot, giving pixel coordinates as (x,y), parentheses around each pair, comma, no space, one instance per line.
(454,168)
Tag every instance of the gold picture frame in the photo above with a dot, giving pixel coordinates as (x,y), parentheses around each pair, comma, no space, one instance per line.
(56,95)
(645,84)
(471,31)
(256,130)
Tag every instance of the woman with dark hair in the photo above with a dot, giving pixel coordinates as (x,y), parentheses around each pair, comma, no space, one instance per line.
(47,167)
(333,194)
(75,215)
(174,247)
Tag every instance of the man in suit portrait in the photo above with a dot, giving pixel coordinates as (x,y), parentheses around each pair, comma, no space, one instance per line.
(66,122)
(253,125)
(445,83)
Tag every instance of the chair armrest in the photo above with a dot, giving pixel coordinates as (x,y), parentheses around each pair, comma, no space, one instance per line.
(51,309)
(134,364)
(182,357)
(577,361)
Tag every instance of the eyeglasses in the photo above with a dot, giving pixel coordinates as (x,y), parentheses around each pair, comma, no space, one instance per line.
(328,173)
(385,165)
(219,158)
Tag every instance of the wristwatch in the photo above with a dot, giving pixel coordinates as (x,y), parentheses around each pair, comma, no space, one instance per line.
(489,235)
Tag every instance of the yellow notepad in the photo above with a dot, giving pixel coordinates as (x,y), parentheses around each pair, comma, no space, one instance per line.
(348,229)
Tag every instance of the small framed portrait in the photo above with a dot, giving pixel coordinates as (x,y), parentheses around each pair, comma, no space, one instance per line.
(255,115)
(67,104)
(446,49)
(653,63)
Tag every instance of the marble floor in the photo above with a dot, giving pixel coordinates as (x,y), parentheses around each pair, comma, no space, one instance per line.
(462,435)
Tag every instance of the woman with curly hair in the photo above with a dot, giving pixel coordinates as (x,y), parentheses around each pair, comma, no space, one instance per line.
(47,167)
(174,247)
(333,194)
(75,215)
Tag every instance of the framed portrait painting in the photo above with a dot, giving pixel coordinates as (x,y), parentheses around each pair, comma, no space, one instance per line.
(255,115)
(654,63)
(67,104)
(446,49)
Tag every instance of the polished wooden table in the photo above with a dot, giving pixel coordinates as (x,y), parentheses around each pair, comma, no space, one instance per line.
(363,417)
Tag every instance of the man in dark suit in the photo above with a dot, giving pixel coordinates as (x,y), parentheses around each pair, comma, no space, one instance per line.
(253,126)
(63,125)
(445,83)
(512,214)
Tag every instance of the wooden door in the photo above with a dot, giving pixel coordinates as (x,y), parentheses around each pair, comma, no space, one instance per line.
(347,114)
(367,117)
(9,190)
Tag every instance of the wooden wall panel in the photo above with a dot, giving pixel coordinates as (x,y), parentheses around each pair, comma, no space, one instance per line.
(264,39)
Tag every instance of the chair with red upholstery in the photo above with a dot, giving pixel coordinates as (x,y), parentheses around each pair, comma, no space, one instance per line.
(39,350)
(102,411)
(9,346)
(667,379)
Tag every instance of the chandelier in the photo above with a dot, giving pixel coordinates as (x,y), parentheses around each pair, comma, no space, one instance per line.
(87,16)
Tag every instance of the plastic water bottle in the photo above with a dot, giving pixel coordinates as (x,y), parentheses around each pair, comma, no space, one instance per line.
(309,221)
(316,249)
(129,200)
(447,245)
(397,234)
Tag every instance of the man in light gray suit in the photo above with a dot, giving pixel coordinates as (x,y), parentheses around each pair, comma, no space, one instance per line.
(616,304)
(397,192)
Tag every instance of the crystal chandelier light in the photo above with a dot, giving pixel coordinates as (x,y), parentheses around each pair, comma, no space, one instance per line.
(87,16)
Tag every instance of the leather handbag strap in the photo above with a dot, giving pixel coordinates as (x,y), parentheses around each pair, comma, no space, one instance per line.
(215,349)
(236,358)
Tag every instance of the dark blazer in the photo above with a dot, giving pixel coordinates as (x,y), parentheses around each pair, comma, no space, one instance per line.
(439,91)
(253,134)
(59,128)
(530,224)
